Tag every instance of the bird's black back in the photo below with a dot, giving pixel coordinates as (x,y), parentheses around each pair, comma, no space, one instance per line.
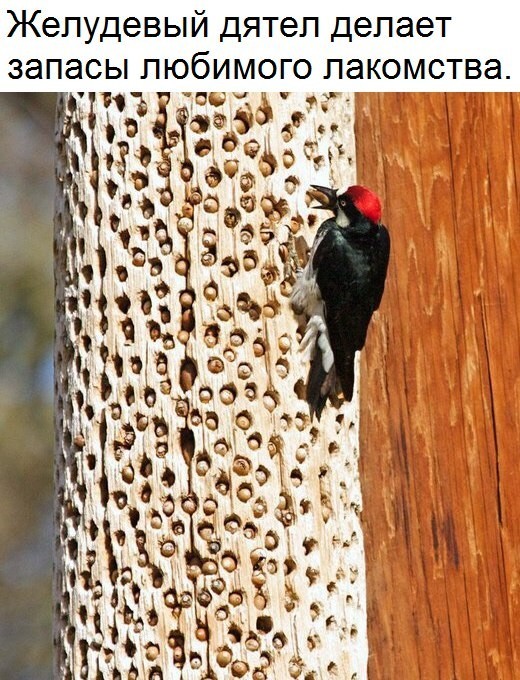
(351,264)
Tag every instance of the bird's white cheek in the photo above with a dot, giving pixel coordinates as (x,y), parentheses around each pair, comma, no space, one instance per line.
(342,220)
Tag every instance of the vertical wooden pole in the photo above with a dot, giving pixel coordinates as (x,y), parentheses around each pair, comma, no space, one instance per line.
(440,424)
(206,528)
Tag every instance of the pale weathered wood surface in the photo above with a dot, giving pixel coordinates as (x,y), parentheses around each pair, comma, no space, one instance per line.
(206,528)
(440,397)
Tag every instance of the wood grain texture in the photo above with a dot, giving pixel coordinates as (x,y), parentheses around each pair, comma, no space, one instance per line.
(441,388)
(206,527)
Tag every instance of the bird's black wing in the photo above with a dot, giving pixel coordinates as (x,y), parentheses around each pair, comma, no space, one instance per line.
(351,271)
(382,255)
(333,261)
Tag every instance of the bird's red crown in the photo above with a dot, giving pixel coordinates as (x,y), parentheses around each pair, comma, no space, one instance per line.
(366,202)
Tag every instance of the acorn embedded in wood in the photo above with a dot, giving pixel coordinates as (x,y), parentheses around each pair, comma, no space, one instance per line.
(223,313)
(229,562)
(229,143)
(244,371)
(209,506)
(208,259)
(209,239)
(166,197)
(182,266)
(224,657)
(205,395)
(249,262)
(251,148)
(186,172)
(227,396)
(217,98)
(211,421)
(203,147)
(243,420)
(239,669)
(252,644)
(241,466)
(231,168)
(244,493)
(188,373)
(229,267)
(152,652)
(219,121)
(259,348)
(167,549)
(189,504)
(246,234)
(199,124)
(258,579)
(138,258)
(231,218)
(186,298)
(168,507)
(211,204)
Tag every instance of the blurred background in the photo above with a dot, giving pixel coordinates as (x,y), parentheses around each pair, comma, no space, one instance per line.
(26,384)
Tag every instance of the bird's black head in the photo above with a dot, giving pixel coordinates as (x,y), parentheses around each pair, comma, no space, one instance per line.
(355,203)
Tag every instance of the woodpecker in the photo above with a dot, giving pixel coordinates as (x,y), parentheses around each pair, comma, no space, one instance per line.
(340,288)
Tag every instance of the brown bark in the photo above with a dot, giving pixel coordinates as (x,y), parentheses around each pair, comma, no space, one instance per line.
(440,418)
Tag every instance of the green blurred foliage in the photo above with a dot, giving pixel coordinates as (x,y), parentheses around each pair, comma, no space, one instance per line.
(26,333)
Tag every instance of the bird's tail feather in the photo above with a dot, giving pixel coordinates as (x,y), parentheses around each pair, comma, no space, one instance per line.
(317,377)
(315,346)
(321,385)
(346,376)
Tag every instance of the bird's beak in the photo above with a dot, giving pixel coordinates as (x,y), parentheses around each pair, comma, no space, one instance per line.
(325,196)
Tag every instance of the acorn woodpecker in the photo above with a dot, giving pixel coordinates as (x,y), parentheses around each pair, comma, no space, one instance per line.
(340,288)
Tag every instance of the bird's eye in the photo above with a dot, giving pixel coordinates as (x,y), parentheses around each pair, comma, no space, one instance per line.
(342,202)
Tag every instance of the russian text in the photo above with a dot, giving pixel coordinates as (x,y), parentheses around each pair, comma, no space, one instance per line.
(106,28)
(70,69)
(350,28)
(269,27)
(420,69)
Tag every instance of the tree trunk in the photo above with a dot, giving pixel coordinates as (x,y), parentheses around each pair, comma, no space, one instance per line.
(440,426)
(206,528)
